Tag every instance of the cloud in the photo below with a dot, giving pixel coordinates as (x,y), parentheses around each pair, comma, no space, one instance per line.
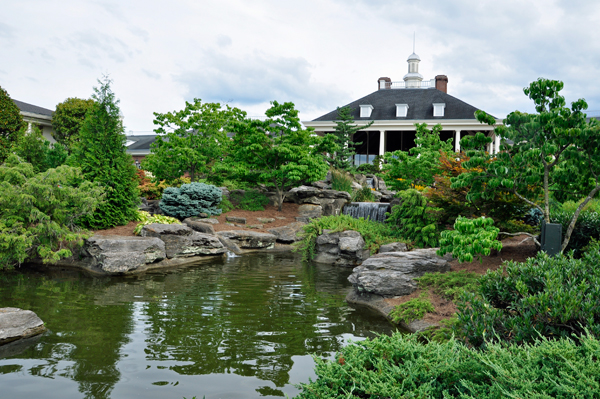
(6,31)
(224,41)
(151,74)
(257,78)
(94,45)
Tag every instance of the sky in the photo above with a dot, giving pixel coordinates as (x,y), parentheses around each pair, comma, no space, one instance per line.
(318,54)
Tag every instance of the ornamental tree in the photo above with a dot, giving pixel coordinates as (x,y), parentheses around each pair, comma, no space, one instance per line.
(68,119)
(100,153)
(190,140)
(11,123)
(553,150)
(39,212)
(277,152)
(417,166)
(341,153)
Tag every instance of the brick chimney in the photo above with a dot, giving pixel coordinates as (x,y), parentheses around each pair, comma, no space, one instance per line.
(384,83)
(441,83)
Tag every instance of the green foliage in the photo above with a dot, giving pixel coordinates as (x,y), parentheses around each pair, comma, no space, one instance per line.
(375,234)
(191,200)
(414,220)
(411,310)
(449,285)
(341,181)
(550,297)
(571,206)
(100,153)
(417,166)
(373,169)
(340,157)
(399,366)
(68,119)
(517,226)
(277,152)
(190,140)
(444,332)
(365,194)
(33,148)
(555,149)
(586,229)
(11,123)
(470,237)
(145,219)
(226,205)
(39,212)
(250,200)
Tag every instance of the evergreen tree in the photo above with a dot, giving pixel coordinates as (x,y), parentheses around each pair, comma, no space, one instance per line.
(11,123)
(341,158)
(100,153)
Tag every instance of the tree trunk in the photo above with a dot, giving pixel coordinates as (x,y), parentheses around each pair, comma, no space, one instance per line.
(192,173)
(576,216)
(546,194)
(279,199)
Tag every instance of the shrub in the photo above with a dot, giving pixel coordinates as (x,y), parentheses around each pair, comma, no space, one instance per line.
(399,366)
(11,123)
(250,200)
(191,200)
(365,194)
(145,219)
(341,181)
(550,297)
(39,212)
(411,310)
(470,237)
(414,220)
(68,118)
(375,234)
(587,227)
(226,205)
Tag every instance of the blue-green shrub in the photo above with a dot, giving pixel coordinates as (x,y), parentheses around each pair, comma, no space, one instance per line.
(550,297)
(401,366)
(191,200)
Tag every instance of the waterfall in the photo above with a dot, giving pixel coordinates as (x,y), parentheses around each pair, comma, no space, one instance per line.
(370,182)
(375,211)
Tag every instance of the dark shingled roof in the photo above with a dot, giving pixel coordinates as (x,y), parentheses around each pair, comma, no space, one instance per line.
(142,142)
(34,109)
(420,105)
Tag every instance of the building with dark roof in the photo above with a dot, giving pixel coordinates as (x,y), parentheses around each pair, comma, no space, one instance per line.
(396,107)
(34,115)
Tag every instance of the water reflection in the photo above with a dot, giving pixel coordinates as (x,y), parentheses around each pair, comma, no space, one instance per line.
(237,327)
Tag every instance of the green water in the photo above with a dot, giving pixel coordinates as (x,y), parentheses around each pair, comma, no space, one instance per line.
(240,327)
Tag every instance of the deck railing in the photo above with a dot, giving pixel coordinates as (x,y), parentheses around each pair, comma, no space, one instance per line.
(425,84)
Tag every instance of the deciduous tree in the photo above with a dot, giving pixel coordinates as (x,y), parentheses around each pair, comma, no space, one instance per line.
(68,119)
(11,123)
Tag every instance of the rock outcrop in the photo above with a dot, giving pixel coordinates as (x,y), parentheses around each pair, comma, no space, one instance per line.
(199,225)
(346,248)
(118,254)
(249,239)
(330,201)
(393,247)
(391,273)
(287,234)
(17,324)
(181,241)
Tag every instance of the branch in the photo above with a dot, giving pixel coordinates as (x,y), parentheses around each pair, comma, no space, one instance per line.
(528,201)
(531,236)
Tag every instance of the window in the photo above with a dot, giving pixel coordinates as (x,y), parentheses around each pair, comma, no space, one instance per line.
(401,110)
(365,111)
(438,109)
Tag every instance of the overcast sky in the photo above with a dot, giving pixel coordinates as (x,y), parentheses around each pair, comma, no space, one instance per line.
(319,54)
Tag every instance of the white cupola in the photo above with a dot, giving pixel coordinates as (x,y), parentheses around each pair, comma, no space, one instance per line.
(413,78)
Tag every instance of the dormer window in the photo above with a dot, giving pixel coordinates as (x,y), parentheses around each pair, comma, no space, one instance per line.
(401,110)
(438,109)
(365,111)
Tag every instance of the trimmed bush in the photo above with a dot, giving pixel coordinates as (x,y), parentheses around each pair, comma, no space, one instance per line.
(401,366)
(470,237)
(550,297)
(414,220)
(191,200)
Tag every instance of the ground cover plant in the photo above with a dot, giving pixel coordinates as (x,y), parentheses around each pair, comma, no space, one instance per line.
(552,297)
(144,219)
(400,366)
(413,309)
(375,234)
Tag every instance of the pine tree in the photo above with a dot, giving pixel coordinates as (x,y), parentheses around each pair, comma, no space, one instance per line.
(100,153)
(344,130)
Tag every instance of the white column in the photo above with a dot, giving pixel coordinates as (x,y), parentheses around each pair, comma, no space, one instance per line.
(457,140)
(381,142)
(497,143)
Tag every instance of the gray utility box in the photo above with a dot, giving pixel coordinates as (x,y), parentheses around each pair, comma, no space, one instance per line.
(551,238)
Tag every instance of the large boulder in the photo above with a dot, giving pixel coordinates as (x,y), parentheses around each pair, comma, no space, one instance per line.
(249,239)
(346,248)
(120,254)
(17,323)
(287,234)
(181,241)
(198,225)
(393,247)
(391,273)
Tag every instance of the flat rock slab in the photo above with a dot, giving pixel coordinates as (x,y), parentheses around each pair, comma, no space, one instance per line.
(287,234)
(393,247)
(199,226)
(235,219)
(192,245)
(249,239)
(210,220)
(265,220)
(120,254)
(17,323)
(159,229)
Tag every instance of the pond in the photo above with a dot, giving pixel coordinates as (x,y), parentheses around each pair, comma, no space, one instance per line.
(237,327)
